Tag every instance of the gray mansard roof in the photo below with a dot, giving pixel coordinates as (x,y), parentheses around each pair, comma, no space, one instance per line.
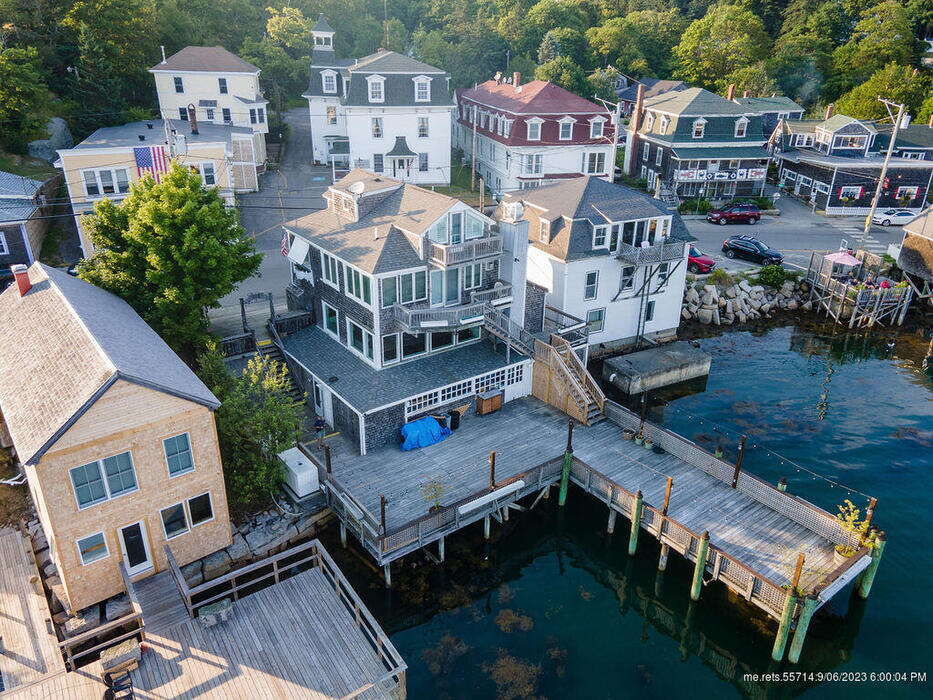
(63,345)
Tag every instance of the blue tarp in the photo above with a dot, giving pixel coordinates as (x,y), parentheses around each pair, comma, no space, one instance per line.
(422,432)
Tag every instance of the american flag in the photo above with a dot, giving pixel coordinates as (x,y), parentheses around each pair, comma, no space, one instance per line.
(285,244)
(152,160)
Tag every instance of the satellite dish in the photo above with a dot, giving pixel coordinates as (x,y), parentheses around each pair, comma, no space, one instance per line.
(357,187)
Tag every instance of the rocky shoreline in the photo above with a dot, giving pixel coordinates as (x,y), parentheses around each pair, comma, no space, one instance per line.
(741,302)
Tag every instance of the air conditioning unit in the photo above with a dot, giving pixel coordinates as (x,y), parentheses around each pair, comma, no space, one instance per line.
(491,265)
(300,473)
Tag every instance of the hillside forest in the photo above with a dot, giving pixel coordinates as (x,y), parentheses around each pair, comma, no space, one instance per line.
(87,60)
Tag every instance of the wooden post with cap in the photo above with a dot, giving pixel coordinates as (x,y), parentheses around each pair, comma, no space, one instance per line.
(382,512)
(565,469)
(787,616)
(492,469)
(738,461)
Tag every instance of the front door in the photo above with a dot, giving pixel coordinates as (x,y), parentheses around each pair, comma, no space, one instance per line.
(135,548)
(323,404)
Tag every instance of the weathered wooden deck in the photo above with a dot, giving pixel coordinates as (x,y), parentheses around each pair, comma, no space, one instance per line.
(28,652)
(756,532)
(294,639)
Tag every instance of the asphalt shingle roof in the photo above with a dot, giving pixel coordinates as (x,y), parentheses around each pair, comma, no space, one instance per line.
(18,186)
(322,25)
(63,344)
(534,97)
(694,102)
(366,388)
(12,210)
(208,59)
(653,87)
(777,103)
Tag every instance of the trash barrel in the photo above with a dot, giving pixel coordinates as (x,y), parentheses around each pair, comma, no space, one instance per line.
(454,419)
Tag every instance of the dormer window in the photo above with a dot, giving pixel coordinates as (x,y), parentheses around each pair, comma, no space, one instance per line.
(599,236)
(566,128)
(422,88)
(329,81)
(544,231)
(699,128)
(376,88)
(534,129)
(665,122)
(649,121)
(596,128)
(222,85)
(741,127)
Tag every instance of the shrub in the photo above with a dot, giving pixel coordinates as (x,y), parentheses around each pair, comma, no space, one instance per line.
(760,202)
(720,277)
(694,206)
(773,275)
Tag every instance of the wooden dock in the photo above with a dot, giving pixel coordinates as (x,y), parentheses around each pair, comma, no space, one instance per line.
(305,635)
(756,533)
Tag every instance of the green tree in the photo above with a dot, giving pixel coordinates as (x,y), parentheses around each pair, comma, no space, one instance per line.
(289,29)
(754,78)
(171,250)
(282,75)
(257,420)
(563,41)
(603,81)
(641,43)
(24,97)
(799,64)
(525,30)
(926,109)
(564,72)
(726,39)
(398,36)
(883,35)
(894,82)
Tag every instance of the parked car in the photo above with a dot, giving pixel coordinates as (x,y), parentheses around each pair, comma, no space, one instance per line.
(893,216)
(734,214)
(699,262)
(751,248)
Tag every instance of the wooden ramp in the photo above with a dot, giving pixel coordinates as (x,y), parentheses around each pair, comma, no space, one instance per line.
(29,652)
(161,602)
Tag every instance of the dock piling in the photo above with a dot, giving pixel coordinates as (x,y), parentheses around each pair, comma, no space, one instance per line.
(386,568)
(382,513)
(867,577)
(636,523)
(486,527)
(738,461)
(343,534)
(565,470)
(611,526)
(700,568)
(662,560)
(803,623)
(440,549)
(492,470)
(780,642)
(327,465)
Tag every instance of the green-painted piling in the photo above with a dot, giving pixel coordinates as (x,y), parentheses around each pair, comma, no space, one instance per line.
(803,623)
(700,568)
(780,642)
(636,523)
(867,577)
(565,469)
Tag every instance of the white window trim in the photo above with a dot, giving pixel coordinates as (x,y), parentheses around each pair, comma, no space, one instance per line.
(338,264)
(528,125)
(544,230)
(645,150)
(200,166)
(373,121)
(427,127)
(422,80)
(821,187)
(701,122)
(859,191)
(595,285)
(325,74)
(915,190)
(659,157)
(649,121)
(93,561)
(210,499)
(463,275)
(605,236)
(561,122)
(165,454)
(600,123)
(100,184)
(332,334)
(370,79)
(4,249)
(602,323)
(743,124)
(184,512)
(362,355)
(597,171)
(665,122)
(103,475)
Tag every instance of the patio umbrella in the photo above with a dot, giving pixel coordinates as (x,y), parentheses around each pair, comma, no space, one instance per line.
(842,258)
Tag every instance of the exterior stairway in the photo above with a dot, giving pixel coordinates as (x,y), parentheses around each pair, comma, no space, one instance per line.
(273,352)
(595,399)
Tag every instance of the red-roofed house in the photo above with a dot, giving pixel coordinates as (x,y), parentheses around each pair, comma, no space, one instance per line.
(524,135)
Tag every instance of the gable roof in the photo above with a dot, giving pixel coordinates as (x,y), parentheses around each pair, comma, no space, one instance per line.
(535,97)
(63,345)
(376,242)
(694,102)
(207,59)
(18,186)
(384,61)
(837,121)
(653,87)
(775,103)
(914,136)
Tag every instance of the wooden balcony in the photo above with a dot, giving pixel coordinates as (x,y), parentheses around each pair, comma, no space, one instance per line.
(652,254)
(468,251)
(567,326)
(415,320)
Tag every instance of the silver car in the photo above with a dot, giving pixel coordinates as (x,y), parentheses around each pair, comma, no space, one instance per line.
(892,216)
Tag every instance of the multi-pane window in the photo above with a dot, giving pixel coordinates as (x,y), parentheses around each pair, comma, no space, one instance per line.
(422,127)
(599,236)
(665,122)
(183,113)
(595,163)
(331,114)
(649,121)
(179,84)
(663,272)
(376,93)
(531,164)
(101,480)
(566,130)
(359,285)
(627,280)
(389,291)
(207,173)
(596,129)
(441,340)
(329,82)
(377,163)
(595,318)
(174,521)
(222,85)
(472,276)
(330,269)
(423,162)
(649,311)
(659,156)
(534,130)
(413,345)
(544,231)
(645,150)
(422,91)
(377,127)
(390,348)
(253,119)
(106,181)
(330,318)
(225,113)
(406,288)
(360,339)
(699,128)
(178,454)
(209,113)
(92,548)
(741,126)
(591,284)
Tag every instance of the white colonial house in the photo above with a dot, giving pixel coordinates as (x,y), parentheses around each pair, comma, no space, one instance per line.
(385,112)
(218,85)
(608,255)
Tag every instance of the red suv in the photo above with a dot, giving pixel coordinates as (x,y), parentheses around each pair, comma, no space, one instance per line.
(698,262)
(734,214)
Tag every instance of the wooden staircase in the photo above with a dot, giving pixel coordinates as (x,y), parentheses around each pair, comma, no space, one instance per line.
(593,397)
(273,352)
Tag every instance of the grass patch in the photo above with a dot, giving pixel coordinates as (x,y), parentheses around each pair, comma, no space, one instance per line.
(51,247)
(27,167)
(460,185)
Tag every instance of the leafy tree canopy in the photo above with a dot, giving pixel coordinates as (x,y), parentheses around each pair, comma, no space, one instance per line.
(171,250)
(564,72)
(901,84)
(24,97)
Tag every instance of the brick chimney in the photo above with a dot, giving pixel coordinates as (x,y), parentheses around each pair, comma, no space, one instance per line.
(829,110)
(516,79)
(745,93)
(21,274)
(193,118)
(635,121)
(730,92)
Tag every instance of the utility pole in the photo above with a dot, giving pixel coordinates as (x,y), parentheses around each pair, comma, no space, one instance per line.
(889,105)
(473,148)
(385,20)
(616,127)
(508,60)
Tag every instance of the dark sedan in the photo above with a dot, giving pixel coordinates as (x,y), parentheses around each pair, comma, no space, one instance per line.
(749,248)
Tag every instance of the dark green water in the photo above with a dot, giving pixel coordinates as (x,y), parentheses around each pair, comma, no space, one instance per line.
(555,608)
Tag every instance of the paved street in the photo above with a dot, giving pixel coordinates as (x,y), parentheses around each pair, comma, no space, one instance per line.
(292,190)
(796,232)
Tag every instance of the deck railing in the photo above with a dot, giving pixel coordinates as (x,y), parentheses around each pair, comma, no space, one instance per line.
(275,568)
(473,249)
(575,364)
(292,322)
(567,326)
(502,326)
(501,290)
(658,253)
(239,344)
(450,317)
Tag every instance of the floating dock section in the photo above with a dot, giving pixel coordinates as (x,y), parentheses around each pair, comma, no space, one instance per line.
(656,367)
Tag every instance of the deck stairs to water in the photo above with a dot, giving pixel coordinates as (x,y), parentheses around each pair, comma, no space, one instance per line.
(274,352)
